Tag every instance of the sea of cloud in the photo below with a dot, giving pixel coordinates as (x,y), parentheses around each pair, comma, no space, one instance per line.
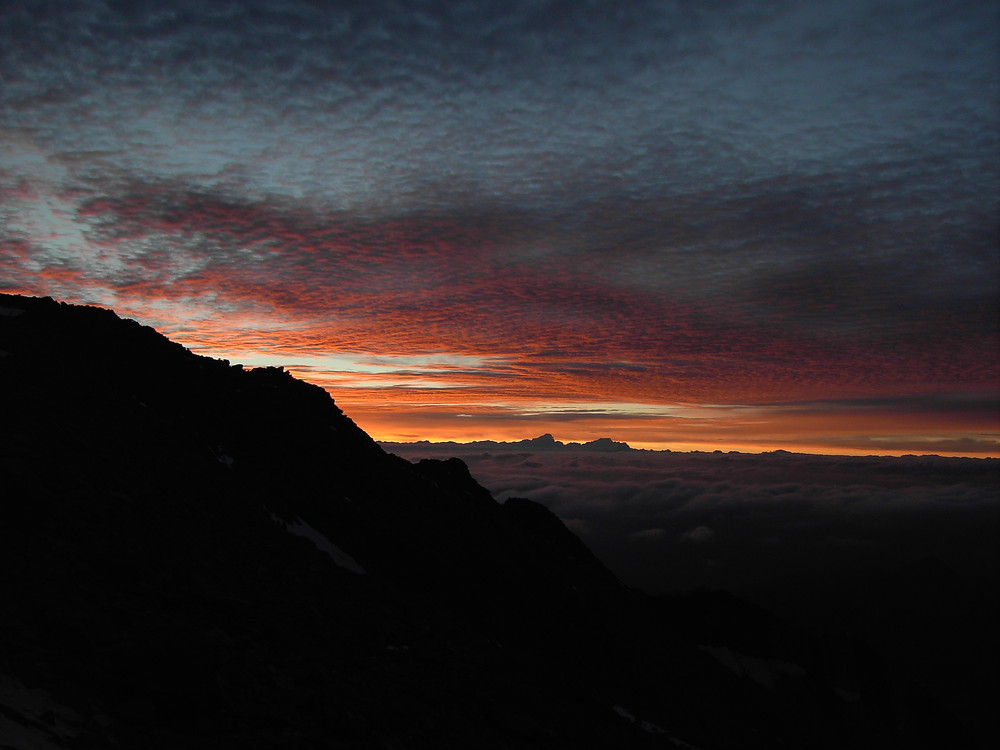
(760,525)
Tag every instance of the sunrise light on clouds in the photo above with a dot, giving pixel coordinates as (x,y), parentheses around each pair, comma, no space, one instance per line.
(735,226)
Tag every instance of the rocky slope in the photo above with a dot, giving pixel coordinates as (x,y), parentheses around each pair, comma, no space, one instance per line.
(194,555)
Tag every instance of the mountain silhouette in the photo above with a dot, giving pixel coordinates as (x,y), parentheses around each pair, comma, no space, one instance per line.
(198,555)
(543,443)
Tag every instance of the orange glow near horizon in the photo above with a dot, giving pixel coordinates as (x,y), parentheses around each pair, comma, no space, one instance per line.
(647,427)
(404,381)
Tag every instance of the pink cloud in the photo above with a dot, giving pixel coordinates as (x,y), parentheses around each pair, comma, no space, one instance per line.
(237,277)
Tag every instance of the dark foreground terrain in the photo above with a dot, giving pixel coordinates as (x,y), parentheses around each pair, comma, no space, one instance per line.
(193,555)
(900,553)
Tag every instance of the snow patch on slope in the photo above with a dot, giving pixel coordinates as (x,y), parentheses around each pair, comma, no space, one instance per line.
(32,720)
(649,727)
(323,544)
(764,672)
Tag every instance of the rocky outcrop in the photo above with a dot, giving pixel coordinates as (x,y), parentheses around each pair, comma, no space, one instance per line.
(196,555)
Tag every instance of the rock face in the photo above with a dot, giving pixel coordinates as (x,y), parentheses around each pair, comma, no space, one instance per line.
(193,555)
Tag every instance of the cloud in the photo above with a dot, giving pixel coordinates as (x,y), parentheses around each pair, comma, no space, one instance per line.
(419,107)
(698,534)
(647,534)
(658,204)
(753,522)
(395,285)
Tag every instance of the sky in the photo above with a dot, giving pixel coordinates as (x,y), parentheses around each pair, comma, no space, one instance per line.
(715,225)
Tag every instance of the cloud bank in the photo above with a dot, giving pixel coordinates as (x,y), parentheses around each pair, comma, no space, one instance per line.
(754,523)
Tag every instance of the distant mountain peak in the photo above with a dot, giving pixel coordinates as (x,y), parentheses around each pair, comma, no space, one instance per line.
(545,439)
(545,442)
(607,444)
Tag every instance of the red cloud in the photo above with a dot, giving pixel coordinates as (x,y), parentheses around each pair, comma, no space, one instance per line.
(235,278)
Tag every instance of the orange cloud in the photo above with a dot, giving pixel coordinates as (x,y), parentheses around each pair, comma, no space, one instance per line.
(430,327)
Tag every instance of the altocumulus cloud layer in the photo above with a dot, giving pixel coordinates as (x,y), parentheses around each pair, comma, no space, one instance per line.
(780,209)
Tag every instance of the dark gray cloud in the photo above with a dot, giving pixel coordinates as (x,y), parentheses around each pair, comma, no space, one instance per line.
(404,103)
